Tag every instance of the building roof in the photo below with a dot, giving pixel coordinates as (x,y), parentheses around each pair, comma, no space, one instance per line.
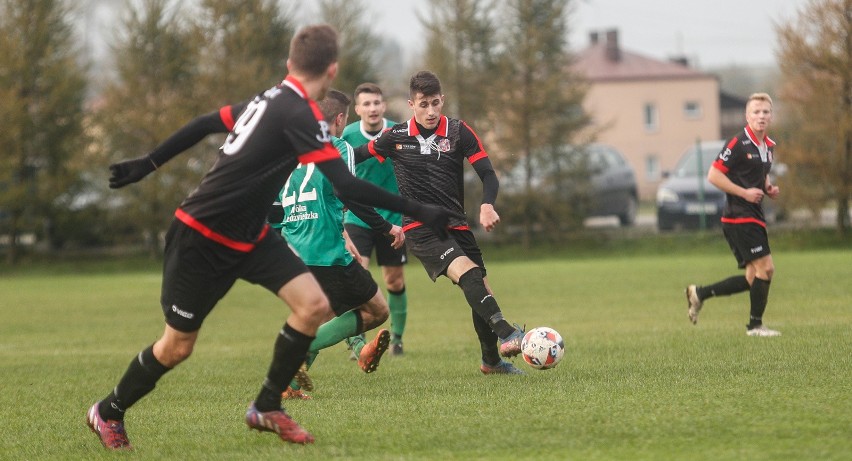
(604,60)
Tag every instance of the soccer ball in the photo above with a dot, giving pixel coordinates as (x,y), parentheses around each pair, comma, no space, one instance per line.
(542,348)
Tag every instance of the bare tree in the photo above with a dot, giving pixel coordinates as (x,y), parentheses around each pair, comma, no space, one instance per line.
(816,64)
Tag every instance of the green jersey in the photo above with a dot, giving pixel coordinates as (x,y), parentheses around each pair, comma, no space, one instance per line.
(313,215)
(378,173)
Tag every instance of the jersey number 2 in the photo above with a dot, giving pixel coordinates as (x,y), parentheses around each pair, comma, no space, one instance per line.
(290,199)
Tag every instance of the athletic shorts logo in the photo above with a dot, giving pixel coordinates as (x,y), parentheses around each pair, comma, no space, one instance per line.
(182,313)
(447,252)
(756,249)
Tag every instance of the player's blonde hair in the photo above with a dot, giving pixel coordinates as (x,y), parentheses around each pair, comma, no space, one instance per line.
(759,97)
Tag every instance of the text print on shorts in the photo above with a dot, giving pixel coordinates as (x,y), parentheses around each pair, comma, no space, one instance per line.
(182,313)
(448,252)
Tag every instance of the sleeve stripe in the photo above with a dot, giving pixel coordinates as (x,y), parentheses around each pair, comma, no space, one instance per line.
(719,165)
(475,157)
(327,152)
(227,117)
(481,153)
(373,152)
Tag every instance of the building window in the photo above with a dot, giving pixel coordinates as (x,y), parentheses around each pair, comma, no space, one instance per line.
(692,110)
(652,119)
(652,167)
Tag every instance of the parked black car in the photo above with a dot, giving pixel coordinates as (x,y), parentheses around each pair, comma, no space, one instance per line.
(679,202)
(612,182)
(679,198)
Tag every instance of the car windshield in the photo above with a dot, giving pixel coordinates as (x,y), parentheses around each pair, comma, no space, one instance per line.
(687,167)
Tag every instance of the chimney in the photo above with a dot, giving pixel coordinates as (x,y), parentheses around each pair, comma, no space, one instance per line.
(593,38)
(682,60)
(613,52)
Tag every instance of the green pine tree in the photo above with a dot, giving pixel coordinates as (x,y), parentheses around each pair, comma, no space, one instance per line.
(151,97)
(358,45)
(42,91)
(543,102)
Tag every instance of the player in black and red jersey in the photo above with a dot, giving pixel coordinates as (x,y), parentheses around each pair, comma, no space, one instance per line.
(220,233)
(429,152)
(742,172)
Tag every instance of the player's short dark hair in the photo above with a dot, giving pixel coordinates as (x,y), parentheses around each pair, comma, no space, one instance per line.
(367,87)
(425,83)
(334,103)
(313,49)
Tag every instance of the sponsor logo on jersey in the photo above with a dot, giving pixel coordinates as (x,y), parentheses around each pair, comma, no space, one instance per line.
(405,147)
(182,313)
(300,213)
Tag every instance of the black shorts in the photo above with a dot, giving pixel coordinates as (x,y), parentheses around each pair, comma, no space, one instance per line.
(436,255)
(747,241)
(365,240)
(347,287)
(197,272)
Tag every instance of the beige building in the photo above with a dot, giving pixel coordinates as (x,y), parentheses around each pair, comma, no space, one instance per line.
(650,110)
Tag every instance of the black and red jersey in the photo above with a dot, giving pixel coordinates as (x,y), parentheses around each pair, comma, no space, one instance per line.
(270,136)
(429,165)
(746,163)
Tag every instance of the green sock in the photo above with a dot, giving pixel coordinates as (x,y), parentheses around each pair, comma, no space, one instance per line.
(398,304)
(356,343)
(335,330)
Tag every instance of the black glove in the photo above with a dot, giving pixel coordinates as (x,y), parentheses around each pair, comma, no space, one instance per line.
(436,218)
(130,171)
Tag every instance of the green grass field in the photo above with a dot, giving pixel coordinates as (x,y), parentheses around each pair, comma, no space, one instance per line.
(638,381)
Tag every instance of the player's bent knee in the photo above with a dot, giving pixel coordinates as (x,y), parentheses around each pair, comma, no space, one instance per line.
(172,353)
(315,313)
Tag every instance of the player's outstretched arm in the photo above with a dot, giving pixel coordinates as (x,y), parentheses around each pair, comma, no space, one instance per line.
(353,189)
(367,214)
(131,171)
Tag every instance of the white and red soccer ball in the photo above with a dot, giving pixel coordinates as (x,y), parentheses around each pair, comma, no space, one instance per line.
(542,348)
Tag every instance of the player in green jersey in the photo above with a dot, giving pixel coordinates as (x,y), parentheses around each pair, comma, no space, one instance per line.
(370,107)
(313,225)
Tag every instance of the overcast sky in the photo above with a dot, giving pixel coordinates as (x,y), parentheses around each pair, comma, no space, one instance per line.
(711,33)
